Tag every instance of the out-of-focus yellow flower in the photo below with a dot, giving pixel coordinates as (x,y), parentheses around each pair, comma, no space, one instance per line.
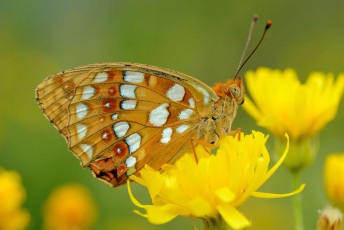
(334,179)
(12,195)
(213,188)
(69,207)
(281,104)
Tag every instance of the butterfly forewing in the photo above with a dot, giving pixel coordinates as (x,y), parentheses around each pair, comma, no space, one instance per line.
(117,117)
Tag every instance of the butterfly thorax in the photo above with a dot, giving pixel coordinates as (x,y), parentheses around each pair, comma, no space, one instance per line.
(218,122)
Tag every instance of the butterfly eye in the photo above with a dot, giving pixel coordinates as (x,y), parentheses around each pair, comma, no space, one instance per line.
(235,91)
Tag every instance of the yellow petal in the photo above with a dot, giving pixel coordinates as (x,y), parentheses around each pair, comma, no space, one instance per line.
(201,207)
(250,107)
(272,195)
(155,214)
(233,217)
(225,194)
(140,213)
(151,179)
(161,214)
(132,198)
(280,161)
(138,180)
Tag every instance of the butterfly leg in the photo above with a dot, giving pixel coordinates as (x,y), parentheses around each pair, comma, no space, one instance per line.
(203,144)
(194,150)
(236,132)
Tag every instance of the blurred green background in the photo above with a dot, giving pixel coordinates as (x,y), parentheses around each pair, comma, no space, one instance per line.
(200,38)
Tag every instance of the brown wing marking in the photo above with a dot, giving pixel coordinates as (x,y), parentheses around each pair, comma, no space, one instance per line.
(112,168)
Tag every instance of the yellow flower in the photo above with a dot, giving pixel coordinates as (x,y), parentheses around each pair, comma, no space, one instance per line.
(12,193)
(213,188)
(283,105)
(334,179)
(69,207)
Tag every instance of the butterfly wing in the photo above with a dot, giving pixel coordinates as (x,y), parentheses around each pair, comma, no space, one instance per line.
(117,117)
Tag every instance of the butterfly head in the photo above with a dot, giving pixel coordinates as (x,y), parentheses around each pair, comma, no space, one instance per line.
(233,88)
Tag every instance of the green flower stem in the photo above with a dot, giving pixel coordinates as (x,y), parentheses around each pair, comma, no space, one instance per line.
(215,224)
(297,200)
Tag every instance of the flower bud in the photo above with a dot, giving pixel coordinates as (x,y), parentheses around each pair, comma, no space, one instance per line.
(330,219)
(301,154)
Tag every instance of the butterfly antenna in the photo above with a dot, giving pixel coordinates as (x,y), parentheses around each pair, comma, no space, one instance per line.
(267,26)
(253,23)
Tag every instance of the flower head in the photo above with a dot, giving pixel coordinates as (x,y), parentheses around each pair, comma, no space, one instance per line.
(282,104)
(69,207)
(330,218)
(214,187)
(12,194)
(334,179)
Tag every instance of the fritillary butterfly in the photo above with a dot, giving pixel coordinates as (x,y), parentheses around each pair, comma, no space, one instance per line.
(117,117)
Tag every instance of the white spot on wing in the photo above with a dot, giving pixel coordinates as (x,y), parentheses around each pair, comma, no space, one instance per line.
(130,162)
(128,104)
(182,128)
(114,116)
(118,150)
(81,110)
(134,142)
(105,136)
(121,128)
(134,77)
(206,95)
(100,77)
(166,135)
(176,93)
(128,91)
(192,103)
(185,114)
(88,149)
(111,90)
(88,92)
(81,130)
(159,115)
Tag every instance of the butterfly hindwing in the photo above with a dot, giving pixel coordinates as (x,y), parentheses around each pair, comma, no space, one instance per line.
(116,117)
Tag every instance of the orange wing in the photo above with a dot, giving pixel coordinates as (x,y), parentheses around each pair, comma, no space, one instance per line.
(117,117)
